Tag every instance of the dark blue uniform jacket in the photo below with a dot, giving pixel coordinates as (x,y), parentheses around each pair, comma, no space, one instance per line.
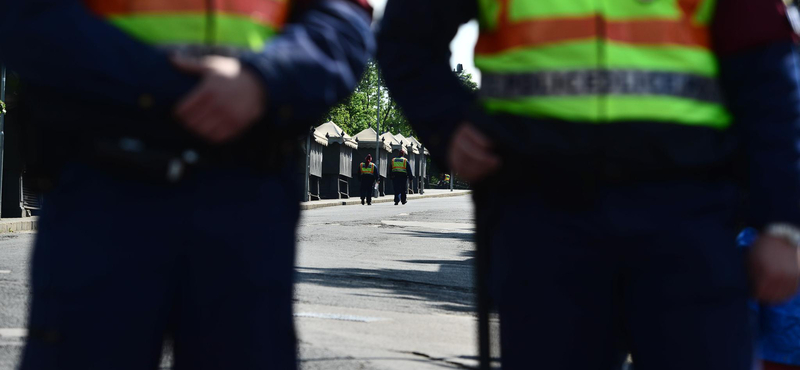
(84,77)
(759,69)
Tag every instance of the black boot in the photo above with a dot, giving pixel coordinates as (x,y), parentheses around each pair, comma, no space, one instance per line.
(362,201)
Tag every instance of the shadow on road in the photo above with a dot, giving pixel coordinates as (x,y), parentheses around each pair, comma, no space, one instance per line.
(443,364)
(449,288)
(469,237)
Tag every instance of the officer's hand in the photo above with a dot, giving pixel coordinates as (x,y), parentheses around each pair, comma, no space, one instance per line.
(471,155)
(775,269)
(228,100)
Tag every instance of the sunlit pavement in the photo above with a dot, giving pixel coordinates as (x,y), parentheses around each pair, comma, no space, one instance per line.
(378,287)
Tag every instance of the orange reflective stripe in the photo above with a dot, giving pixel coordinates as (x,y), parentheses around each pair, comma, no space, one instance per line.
(550,31)
(271,12)
(536,33)
(659,32)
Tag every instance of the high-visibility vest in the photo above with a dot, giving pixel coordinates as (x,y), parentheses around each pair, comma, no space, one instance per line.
(239,24)
(400,165)
(446,178)
(367,170)
(600,61)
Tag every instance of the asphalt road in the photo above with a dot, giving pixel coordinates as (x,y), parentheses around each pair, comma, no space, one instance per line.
(378,287)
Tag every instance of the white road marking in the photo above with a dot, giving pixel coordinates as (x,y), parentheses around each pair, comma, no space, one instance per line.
(5,271)
(332,316)
(403,214)
(13,333)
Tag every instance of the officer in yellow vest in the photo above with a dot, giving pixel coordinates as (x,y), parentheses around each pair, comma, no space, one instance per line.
(158,122)
(367,172)
(401,174)
(622,240)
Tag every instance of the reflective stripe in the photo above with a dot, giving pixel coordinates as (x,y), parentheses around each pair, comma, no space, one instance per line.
(524,10)
(191,29)
(235,24)
(491,11)
(594,82)
(591,109)
(549,31)
(399,165)
(367,170)
(584,54)
(269,12)
(600,61)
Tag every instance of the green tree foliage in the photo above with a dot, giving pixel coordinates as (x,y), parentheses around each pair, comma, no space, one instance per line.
(359,111)
(467,80)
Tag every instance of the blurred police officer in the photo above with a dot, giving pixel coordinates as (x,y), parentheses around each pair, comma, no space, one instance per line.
(621,240)
(167,130)
(400,175)
(367,173)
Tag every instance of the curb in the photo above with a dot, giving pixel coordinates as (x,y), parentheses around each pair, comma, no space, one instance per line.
(385,199)
(18,224)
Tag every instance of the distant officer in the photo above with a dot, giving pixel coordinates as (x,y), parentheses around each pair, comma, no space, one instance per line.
(367,173)
(446,179)
(632,119)
(159,122)
(401,174)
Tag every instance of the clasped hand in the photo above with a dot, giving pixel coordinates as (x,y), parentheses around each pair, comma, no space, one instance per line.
(227,101)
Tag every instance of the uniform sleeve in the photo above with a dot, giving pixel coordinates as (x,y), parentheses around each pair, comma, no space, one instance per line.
(61,45)
(741,25)
(316,61)
(414,54)
(759,73)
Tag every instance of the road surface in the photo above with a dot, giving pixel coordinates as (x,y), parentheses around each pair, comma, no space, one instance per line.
(378,287)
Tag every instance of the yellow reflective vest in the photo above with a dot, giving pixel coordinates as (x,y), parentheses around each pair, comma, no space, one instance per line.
(239,24)
(600,61)
(400,165)
(367,170)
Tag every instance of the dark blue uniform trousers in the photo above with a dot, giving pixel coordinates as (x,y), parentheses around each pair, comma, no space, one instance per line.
(117,264)
(400,185)
(366,188)
(650,269)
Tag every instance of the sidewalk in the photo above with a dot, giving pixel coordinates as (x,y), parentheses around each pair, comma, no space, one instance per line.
(11,225)
(388,198)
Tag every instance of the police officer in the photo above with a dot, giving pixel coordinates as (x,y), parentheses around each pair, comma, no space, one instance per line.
(621,241)
(158,122)
(367,171)
(401,174)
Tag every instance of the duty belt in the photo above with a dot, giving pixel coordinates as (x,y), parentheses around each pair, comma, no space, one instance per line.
(600,82)
(133,155)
